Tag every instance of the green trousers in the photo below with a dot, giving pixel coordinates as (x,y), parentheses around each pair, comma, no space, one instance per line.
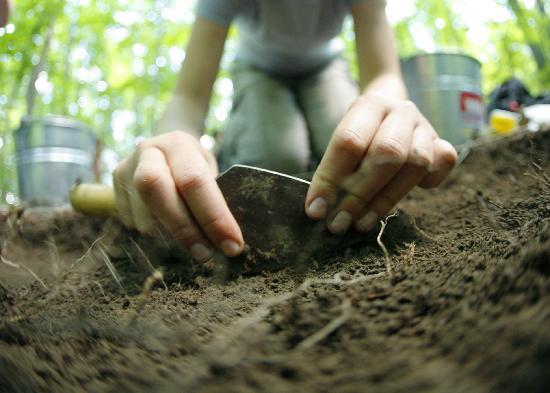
(285,123)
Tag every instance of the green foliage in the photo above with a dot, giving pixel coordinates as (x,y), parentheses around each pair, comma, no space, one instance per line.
(108,61)
(113,63)
(509,50)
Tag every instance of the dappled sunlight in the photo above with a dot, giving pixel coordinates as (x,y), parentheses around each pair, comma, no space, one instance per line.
(113,64)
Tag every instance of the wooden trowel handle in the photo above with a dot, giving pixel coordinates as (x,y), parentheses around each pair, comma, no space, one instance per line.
(96,200)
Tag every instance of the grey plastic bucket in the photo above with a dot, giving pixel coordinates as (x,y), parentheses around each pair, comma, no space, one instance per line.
(446,87)
(52,152)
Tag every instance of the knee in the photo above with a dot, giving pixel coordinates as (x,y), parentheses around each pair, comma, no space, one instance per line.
(283,160)
(289,159)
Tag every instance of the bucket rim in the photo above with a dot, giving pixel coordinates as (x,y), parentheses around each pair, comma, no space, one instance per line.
(440,53)
(56,120)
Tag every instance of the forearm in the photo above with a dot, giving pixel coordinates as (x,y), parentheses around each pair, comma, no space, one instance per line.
(183,113)
(189,105)
(379,68)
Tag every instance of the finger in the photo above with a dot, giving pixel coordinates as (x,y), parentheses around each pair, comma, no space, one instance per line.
(422,147)
(212,163)
(386,154)
(120,185)
(343,155)
(445,158)
(153,181)
(407,178)
(144,221)
(201,193)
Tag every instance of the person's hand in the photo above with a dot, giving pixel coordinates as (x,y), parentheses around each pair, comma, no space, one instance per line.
(171,179)
(381,149)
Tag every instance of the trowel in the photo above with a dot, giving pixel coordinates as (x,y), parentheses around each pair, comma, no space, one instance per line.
(269,208)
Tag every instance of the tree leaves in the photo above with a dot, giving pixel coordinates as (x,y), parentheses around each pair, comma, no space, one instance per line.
(109,58)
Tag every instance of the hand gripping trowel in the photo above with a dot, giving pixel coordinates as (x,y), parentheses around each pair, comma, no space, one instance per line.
(269,208)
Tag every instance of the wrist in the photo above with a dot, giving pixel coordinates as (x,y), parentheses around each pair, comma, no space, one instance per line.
(389,85)
(182,113)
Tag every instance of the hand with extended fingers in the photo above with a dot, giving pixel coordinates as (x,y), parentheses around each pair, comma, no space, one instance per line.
(381,149)
(171,179)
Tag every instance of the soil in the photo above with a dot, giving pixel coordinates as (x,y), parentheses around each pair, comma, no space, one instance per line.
(462,303)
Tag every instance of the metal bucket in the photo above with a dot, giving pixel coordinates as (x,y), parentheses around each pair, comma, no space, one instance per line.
(446,87)
(52,152)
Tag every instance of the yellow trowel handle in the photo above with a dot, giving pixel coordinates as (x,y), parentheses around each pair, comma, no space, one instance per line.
(96,200)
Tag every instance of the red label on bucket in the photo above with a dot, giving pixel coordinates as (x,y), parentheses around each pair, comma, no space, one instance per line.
(471,107)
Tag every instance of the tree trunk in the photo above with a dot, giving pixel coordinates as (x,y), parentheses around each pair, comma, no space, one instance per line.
(31,88)
(541,8)
(536,50)
(66,92)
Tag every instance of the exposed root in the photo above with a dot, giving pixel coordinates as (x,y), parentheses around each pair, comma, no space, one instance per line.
(130,256)
(543,179)
(536,165)
(98,284)
(111,267)
(154,272)
(148,284)
(54,256)
(387,258)
(87,253)
(328,328)
(157,276)
(23,267)
(409,254)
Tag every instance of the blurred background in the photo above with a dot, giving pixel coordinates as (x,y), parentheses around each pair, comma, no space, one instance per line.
(112,64)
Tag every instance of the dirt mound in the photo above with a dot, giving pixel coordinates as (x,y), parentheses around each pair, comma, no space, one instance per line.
(462,303)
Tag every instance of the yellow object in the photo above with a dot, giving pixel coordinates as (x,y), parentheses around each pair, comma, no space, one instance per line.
(94,199)
(503,122)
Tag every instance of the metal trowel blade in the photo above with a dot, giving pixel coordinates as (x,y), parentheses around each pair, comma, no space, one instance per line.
(269,208)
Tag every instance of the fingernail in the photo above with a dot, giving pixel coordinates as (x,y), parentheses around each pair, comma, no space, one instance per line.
(230,248)
(317,209)
(420,160)
(341,222)
(200,252)
(368,222)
